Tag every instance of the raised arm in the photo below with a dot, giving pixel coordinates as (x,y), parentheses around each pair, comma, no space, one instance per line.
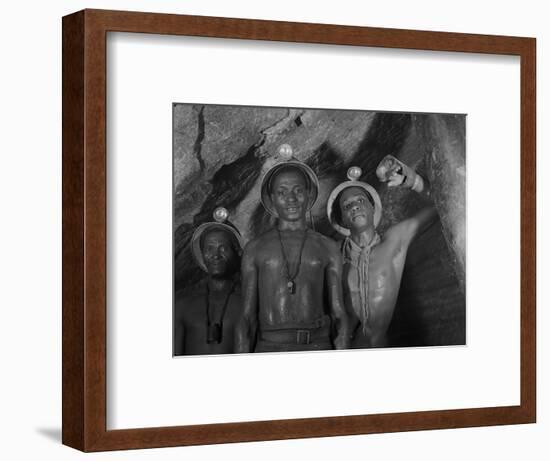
(247,326)
(336,303)
(405,231)
(397,174)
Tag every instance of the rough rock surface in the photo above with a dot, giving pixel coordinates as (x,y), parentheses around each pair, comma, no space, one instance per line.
(221,153)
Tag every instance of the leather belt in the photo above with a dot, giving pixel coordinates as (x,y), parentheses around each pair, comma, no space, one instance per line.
(296,335)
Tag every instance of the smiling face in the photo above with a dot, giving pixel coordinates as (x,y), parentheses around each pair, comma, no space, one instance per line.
(290,195)
(356,210)
(219,254)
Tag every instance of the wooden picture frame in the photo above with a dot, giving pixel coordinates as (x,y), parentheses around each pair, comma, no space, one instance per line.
(85,223)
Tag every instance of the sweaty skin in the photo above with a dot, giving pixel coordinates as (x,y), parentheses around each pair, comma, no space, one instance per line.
(386,262)
(191,315)
(267,302)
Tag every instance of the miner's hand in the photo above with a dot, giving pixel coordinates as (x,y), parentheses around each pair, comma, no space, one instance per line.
(395,172)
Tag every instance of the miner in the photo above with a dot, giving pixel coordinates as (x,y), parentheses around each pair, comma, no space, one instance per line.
(205,318)
(292,275)
(373,264)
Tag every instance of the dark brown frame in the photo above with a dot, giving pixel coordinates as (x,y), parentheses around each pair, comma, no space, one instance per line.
(84,229)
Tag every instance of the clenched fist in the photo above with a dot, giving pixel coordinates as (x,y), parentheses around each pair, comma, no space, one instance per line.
(396,173)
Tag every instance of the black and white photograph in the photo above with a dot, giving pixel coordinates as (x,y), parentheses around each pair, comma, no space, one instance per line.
(301,229)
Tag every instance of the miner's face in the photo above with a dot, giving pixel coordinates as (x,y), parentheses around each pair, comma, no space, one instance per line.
(219,254)
(357,211)
(290,195)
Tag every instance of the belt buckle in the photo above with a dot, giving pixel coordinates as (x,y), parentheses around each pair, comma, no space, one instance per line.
(303,337)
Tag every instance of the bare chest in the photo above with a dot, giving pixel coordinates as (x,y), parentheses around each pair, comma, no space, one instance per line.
(206,310)
(381,271)
(289,255)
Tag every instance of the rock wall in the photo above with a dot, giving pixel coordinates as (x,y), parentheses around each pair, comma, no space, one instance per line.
(221,153)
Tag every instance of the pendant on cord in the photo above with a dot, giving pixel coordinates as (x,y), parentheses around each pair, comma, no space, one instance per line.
(291,287)
(214,333)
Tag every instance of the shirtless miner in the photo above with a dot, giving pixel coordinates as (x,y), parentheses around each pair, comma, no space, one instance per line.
(205,319)
(292,275)
(373,264)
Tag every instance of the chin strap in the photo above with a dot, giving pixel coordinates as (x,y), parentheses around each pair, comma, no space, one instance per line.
(312,222)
